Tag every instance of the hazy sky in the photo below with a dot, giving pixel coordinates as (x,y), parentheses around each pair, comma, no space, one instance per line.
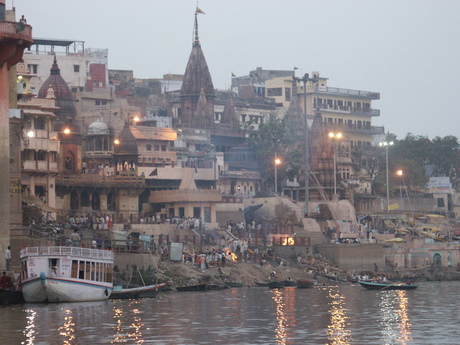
(408,50)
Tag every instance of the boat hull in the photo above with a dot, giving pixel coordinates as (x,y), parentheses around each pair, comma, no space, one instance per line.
(305,284)
(45,289)
(386,286)
(276,285)
(149,291)
(197,287)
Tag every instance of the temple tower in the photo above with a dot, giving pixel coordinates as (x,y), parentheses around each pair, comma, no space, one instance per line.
(196,79)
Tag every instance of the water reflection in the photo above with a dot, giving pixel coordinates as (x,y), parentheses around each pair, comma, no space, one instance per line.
(395,321)
(132,332)
(67,330)
(337,331)
(281,324)
(30,330)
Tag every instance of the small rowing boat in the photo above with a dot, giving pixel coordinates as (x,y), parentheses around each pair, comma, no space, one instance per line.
(386,286)
(195,287)
(276,285)
(305,283)
(148,291)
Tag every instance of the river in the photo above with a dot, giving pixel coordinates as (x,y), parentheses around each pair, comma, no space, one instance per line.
(343,314)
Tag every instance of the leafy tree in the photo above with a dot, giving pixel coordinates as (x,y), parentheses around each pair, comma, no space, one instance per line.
(273,139)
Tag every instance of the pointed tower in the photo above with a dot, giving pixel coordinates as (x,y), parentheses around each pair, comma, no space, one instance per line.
(56,87)
(294,117)
(64,97)
(229,116)
(203,117)
(196,78)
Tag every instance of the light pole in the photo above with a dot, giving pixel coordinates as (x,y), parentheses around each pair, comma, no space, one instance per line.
(400,174)
(386,144)
(335,137)
(277,162)
(306,78)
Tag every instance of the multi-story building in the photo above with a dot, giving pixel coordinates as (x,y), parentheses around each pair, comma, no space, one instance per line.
(83,69)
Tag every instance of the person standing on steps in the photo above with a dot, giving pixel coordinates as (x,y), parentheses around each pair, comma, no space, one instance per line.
(8,258)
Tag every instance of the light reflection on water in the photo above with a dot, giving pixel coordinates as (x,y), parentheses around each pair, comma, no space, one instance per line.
(337,331)
(339,315)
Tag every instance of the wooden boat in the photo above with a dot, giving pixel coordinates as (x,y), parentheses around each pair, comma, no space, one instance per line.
(234,284)
(66,274)
(11,297)
(218,287)
(261,284)
(276,285)
(386,286)
(289,283)
(305,283)
(148,291)
(195,287)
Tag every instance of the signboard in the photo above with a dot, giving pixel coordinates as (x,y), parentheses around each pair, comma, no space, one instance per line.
(175,251)
(393,207)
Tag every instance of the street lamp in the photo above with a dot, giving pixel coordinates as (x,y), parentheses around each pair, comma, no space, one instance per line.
(335,137)
(400,174)
(386,144)
(277,162)
(306,78)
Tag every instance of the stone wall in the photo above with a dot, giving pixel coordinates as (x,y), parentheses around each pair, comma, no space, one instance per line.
(358,257)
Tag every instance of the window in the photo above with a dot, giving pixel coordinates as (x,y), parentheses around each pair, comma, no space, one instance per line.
(274,92)
(287,94)
(243,117)
(156,147)
(33,69)
(207,214)
(39,123)
(76,68)
(98,102)
(440,202)
(163,147)
(149,147)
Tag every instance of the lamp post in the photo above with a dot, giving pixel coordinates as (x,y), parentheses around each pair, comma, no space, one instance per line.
(400,174)
(386,144)
(335,137)
(314,80)
(277,162)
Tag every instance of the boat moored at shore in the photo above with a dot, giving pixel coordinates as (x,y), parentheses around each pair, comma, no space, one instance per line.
(66,274)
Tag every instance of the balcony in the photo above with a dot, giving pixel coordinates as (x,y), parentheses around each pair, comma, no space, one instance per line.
(355,128)
(40,166)
(185,195)
(345,92)
(349,110)
(99,180)
(9,31)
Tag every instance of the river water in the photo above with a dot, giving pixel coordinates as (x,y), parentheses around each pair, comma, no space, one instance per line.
(343,314)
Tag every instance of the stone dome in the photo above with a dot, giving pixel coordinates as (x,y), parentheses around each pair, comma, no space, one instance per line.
(98,128)
(62,93)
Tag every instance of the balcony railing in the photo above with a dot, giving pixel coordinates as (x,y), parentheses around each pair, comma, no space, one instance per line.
(349,110)
(347,92)
(365,129)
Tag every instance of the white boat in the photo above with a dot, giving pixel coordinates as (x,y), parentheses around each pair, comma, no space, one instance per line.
(66,274)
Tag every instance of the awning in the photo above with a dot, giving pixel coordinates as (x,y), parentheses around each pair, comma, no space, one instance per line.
(33,200)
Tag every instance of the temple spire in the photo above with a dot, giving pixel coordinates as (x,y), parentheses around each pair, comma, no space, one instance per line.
(196,41)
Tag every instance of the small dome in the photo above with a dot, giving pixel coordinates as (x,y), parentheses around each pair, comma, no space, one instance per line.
(98,128)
